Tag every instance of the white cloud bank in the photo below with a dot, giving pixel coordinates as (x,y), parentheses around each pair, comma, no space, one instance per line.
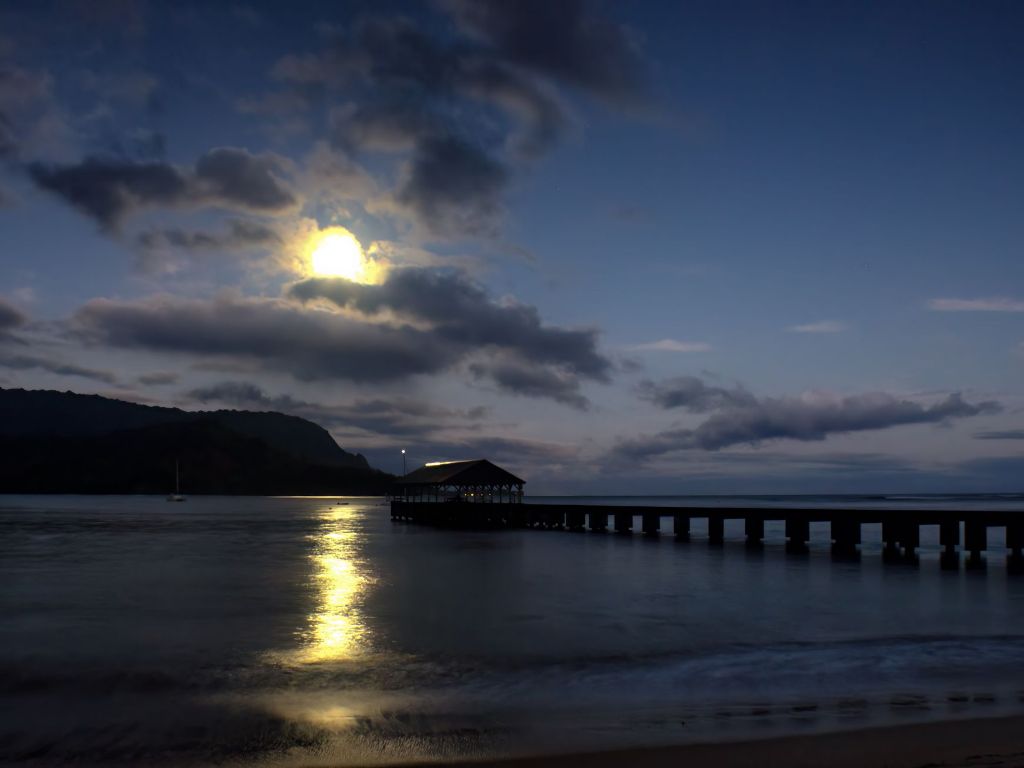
(994,304)
(822,326)
(673,345)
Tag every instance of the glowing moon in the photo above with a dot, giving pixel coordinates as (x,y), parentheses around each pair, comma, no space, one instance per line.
(337,253)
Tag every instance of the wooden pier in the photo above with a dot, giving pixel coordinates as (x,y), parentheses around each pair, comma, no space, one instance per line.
(960,531)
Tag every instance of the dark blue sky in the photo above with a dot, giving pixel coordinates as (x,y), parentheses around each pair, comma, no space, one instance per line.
(664,247)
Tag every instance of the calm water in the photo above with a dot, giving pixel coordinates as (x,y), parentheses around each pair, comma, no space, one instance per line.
(306,632)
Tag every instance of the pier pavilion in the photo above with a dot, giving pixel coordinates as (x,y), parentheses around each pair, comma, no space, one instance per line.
(473,481)
(460,494)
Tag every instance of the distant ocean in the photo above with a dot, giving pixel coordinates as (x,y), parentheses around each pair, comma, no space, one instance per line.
(307,631)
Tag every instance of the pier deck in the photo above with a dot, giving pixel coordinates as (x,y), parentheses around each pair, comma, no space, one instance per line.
(959,530)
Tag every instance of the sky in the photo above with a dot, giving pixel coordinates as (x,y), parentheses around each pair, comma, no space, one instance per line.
(701,247)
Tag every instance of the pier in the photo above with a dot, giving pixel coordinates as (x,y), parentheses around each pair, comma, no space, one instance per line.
(961,532)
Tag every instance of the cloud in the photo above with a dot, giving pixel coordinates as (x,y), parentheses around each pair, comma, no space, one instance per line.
(518,376)
(158,378)
(239,234)
(822,326)
(33,362)
(542,116)
(453,187)
(415,82)
(417,322)
(157,245)
(1006,434)
(996,304)
(561,40)
(271,334)
(673,345)
(108,189)
(741,419)
(10,317)
(460,311)
(387,125)
(693,395)
(414,324)
(395,417)
(459,110)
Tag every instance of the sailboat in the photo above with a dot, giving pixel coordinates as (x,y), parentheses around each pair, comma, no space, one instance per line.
(177,495)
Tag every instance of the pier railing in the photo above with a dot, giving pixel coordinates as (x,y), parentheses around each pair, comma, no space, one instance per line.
(959,530)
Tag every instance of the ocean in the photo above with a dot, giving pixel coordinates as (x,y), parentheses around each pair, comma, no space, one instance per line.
(316,631)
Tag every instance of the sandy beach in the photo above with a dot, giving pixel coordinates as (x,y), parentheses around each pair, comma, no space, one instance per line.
(990,742)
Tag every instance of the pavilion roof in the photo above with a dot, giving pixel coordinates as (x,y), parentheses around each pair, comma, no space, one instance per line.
(467,472)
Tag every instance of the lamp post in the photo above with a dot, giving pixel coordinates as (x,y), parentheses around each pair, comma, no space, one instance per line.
(403,462)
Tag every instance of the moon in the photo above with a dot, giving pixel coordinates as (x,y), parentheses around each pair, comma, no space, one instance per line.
(337,253)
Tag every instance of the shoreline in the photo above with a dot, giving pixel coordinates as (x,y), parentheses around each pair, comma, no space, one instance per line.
(992,742)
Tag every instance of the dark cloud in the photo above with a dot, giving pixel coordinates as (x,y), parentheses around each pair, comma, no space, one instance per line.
(520,377)
(229,176)
(453,187)
(391,125)
(517,451)
(57,367)
(158,378)
(461,312)
(274,335)
(693,395)
(464,108)
(240,234)
(1006,434)
(108,189)
(10,317)
(417,83)
(559,39)
(395,417)
(537,109)
(804,419)
(417,322)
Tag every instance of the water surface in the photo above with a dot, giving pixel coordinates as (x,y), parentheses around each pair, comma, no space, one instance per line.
(317,631)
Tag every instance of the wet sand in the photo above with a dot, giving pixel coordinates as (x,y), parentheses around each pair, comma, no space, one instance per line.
(977,743)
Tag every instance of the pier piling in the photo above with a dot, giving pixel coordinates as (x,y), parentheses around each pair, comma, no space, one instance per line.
(575,520)
(753,527)
(1015,545)
(598,521)
(845,537)
(910,538)
(623,522)
(891,540)
(949,539)
(681,526)
(798,533)
(975,540)
(716,530)
(651,523)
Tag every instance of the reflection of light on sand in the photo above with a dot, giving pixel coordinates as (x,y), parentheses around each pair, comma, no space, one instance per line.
(336,629)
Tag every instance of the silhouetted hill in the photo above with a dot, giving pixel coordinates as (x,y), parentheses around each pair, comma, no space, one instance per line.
(62,442)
